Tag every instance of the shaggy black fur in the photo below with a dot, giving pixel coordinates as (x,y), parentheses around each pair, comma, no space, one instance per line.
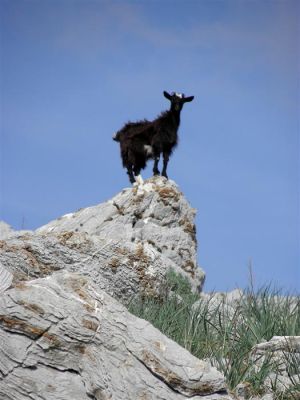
(142,140)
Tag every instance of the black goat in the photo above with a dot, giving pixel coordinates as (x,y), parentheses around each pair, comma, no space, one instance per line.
(142,140)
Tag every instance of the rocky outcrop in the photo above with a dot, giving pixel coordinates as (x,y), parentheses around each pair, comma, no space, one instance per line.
(64,335)
(126,245)
(64,338)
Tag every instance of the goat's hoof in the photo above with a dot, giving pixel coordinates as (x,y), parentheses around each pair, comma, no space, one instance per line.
(139,180)
(156,173)
(165,175)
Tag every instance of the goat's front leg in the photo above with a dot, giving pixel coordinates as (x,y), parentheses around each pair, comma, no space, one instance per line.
(130,173)
(155,166)
(166,160)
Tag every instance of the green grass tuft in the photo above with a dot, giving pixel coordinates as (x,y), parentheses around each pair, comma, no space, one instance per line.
(226,335)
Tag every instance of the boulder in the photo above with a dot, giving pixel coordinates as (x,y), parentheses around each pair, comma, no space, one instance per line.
(63,338)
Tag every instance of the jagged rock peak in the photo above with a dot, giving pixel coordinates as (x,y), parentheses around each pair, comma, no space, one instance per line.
(126,245)
(157,201)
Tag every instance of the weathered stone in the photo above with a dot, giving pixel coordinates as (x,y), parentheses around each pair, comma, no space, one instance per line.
(283,353)
(63,338)
(6,279)
(126,245)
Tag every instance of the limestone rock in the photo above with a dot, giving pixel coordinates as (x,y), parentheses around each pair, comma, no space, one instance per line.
(283,352)
(63,338)
(5,279)
(126,245)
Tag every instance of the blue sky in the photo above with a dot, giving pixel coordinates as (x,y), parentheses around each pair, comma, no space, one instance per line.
(72,72)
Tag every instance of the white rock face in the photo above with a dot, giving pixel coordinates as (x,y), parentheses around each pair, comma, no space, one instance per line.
(6,279)
(126,245)
(63,338)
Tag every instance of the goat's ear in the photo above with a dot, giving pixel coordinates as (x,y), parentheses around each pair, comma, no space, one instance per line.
(188,98)
(167,95)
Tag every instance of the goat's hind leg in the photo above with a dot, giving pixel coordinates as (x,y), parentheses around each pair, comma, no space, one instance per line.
(130,173)
(129,162)
(138,176)
(166,160)
(136,170)
(155,166)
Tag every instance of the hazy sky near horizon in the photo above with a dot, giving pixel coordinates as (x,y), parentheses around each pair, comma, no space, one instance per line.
(72,72)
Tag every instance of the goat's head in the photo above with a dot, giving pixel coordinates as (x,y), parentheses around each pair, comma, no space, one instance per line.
(177,100)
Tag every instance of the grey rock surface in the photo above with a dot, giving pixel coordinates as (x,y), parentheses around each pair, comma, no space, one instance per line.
(284,354)
(280,358)
(6,279)
(126,245)
(63,338)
